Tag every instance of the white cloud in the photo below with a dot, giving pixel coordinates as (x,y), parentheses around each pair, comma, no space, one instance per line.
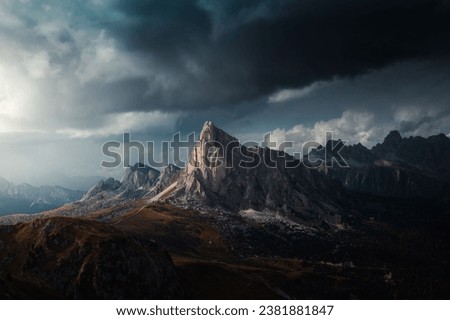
(16,92)
(120,123)
(363,127)
(413,114)
(291,94)
(352,126)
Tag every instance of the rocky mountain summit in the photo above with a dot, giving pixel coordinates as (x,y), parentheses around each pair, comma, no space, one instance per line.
(225,175)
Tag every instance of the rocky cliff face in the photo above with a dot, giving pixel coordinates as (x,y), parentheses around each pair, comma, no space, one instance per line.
(402,167)
(80,259)
(103,189)
(139,177)
(224,175)
(168,176)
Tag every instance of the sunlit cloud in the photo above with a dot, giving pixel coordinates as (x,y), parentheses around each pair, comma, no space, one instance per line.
(352,126)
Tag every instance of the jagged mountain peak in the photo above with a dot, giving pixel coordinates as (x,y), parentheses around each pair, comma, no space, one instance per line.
(333,143)
(393,138)
(102,188)
(208,125)
(219,175)
(138,181)
(214,143)
(211,133)
(109,184)
(330,145)
(139,175)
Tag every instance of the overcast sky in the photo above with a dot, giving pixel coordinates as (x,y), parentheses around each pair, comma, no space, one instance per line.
(75,74)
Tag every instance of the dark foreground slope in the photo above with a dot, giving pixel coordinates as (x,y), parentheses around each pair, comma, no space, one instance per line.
(82,259)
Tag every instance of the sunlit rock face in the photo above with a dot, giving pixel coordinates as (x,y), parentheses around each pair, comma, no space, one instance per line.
(223,174)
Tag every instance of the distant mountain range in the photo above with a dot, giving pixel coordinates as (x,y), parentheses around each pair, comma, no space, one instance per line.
(397,167)
(25,198)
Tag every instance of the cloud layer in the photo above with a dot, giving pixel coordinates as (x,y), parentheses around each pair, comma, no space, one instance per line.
(78,58)
(96,68)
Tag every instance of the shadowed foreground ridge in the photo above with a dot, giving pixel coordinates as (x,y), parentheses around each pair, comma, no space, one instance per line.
(81,259)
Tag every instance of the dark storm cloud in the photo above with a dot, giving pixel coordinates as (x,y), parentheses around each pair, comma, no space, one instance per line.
(78,72)
(226,52)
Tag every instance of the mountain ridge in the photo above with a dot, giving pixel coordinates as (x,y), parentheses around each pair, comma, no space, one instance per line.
(25,198)
(303,194)
(403,167)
